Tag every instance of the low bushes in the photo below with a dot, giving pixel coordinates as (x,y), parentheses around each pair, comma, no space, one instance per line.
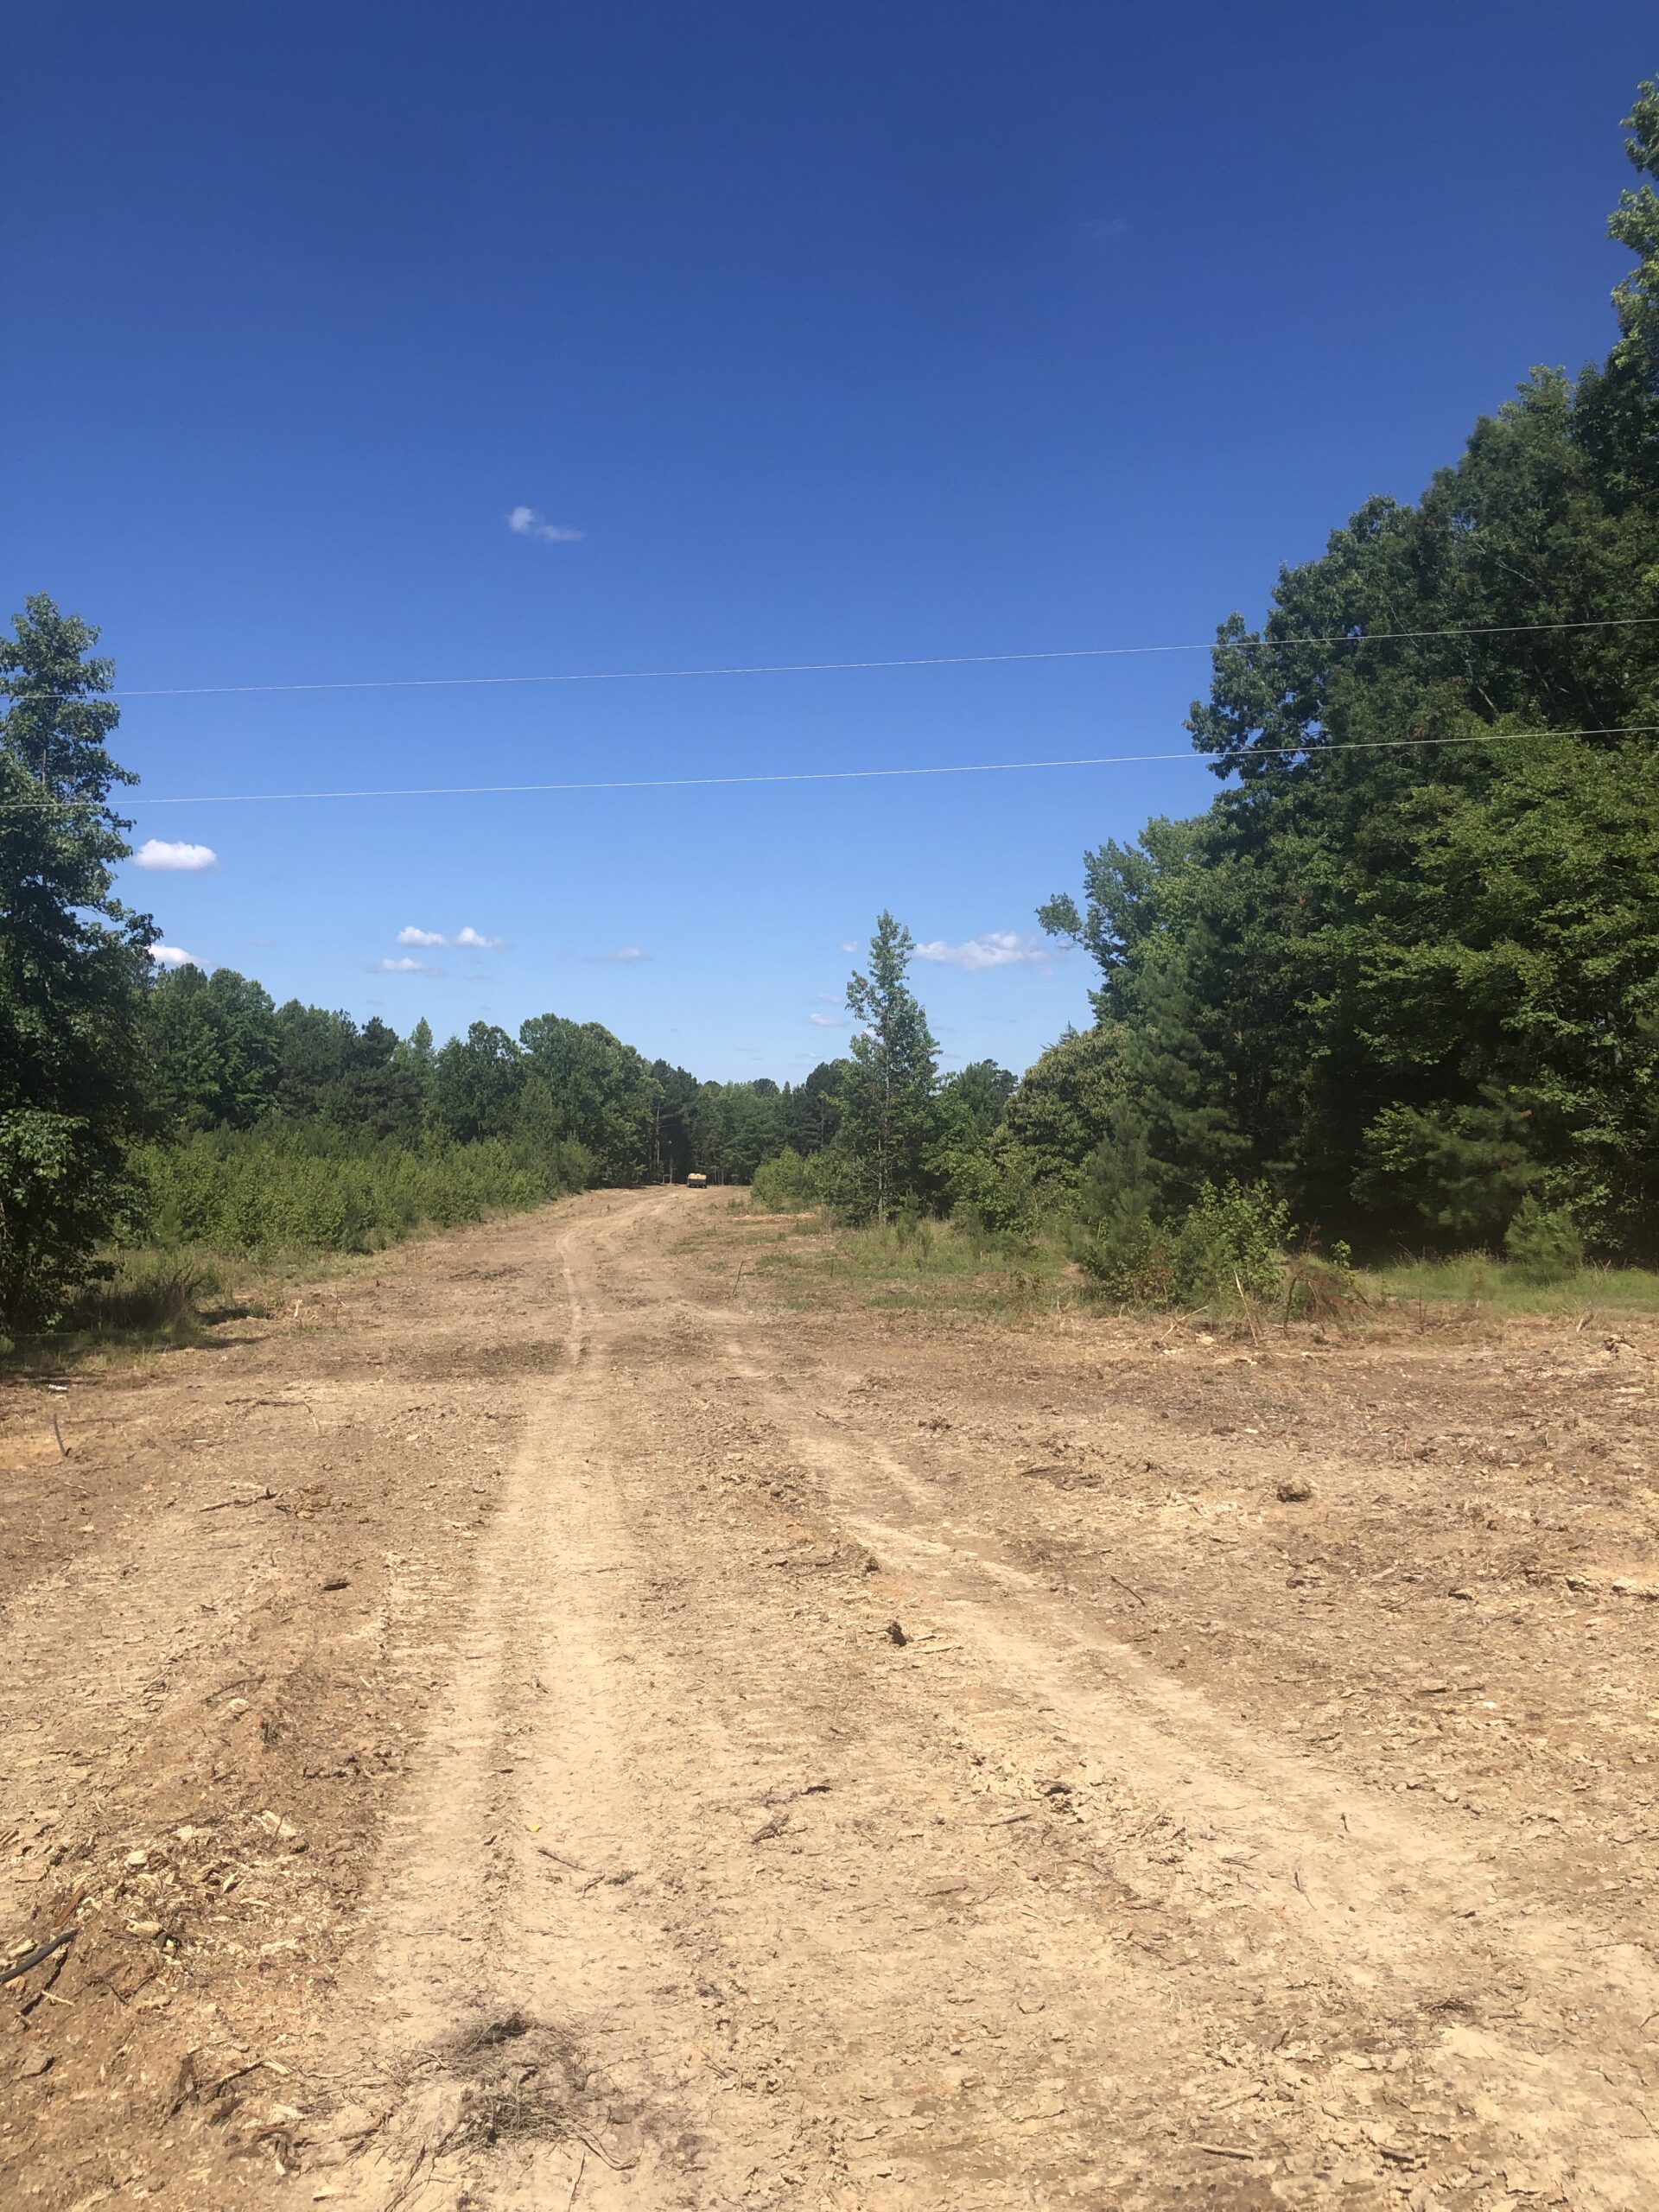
(1227,1249)
(299,1187)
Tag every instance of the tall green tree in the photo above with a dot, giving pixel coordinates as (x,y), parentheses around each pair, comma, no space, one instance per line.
(73,962)
(1634,223)
(603,1092)
(888,1116)
(1404,966)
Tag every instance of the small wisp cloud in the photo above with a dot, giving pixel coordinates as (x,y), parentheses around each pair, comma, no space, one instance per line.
(992,948)
(407,966)
(474,940)
(524,522)
(172,955)
(162,853)
(827,1021)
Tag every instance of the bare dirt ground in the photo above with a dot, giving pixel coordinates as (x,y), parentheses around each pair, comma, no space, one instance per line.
(562,1726)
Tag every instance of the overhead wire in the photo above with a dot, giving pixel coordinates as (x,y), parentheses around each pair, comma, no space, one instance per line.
(858,775)
(851,667)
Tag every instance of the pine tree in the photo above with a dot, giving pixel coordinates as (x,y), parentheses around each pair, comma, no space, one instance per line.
(887,1095)
(73,967)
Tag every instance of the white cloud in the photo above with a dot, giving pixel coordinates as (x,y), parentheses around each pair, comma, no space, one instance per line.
(992,948)
(473,939)
(826,1021)
(407,967)
(172,955)
(626,952)
(157,852)
(848,945)
(524,522)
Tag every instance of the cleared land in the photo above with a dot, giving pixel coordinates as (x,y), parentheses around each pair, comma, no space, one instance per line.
(587,1717)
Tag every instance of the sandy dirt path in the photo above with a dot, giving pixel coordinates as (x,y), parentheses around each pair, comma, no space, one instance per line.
(759,1759)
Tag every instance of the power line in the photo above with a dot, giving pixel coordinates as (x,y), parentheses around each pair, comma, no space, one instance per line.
(862,775)
(852,667)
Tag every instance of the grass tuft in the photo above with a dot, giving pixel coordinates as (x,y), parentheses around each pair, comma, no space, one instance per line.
(1473,1279)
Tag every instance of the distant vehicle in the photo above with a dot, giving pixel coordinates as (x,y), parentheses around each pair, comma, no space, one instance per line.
(698,1182)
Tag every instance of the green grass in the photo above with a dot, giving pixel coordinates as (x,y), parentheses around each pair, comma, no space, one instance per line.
(1471,1280)
(927,1266)
(936,1267)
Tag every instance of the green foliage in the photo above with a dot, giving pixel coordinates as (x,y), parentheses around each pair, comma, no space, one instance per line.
(1543,1243)
(785,1184)
(1230,1244)
(888,1121)
(1634,223)
(72,964)
(602,1092)
(992,1187)
(1411,985)
(1480,1284)
(1225,1250)
(304,1188)
(1062,1107)
(970,1105)
(1463,1169)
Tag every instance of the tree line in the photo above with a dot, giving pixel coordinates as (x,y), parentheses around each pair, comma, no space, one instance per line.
(1405,969)
(1398,983)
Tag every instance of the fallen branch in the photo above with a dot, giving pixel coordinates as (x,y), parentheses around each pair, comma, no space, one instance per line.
(41,1951)
(581,2168)
(592,2142)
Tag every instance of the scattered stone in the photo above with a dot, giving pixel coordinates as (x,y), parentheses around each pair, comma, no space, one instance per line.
(896,1634)
(338,1582)
(1294,1490)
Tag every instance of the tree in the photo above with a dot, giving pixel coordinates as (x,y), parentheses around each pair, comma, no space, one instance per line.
(1634,223)
(1402,969)
(1062,1107)
(603,1092)
(212,1045)
(887,1094)
(815,1107)
(475,1085)
(73,962)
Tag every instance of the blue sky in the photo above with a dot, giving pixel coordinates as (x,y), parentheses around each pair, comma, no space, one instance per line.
(848,333)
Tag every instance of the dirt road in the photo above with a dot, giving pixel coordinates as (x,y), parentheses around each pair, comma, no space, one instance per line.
(571,1723)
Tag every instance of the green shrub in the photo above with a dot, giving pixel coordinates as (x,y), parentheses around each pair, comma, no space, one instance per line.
(990,1190)
(306,1186)
(1228,1246)
(784,1184)
(845,1186)
(1543,1243)
(1133,1261)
